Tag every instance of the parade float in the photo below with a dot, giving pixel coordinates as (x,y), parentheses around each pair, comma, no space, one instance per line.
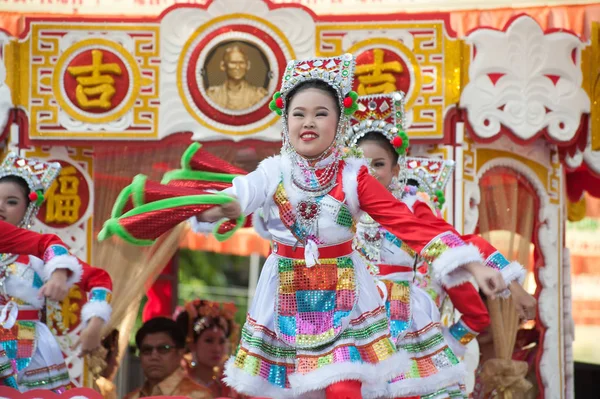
(514,105)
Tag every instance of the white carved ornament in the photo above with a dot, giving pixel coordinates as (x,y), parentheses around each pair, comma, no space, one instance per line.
(5,97)
(549,296)
(180,24)
(526,81)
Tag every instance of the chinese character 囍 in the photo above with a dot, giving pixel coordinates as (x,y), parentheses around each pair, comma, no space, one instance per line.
(376,78)
(64,202)
(95,80)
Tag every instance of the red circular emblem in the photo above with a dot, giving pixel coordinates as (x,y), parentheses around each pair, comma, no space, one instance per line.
(381,71)
(96,81)
(67,200)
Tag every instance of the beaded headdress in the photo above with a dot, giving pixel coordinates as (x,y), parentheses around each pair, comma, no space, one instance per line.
(337,72)
(38,175)
(381,113)
(205,314)
(431,175)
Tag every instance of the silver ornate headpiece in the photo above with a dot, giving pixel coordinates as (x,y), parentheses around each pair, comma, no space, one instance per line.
(381,113)
(337,72)
(38,175)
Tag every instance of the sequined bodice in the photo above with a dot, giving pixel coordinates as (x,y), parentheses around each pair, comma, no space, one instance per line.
(380,246)
(296,215)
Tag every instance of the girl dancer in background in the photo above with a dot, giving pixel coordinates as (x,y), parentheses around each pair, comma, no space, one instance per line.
(377,128)
(32,357)
(329,333)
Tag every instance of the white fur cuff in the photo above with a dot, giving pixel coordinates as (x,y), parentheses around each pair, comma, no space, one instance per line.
(450,260)
(513,271)
(68,262)
(201,227)
(99,309)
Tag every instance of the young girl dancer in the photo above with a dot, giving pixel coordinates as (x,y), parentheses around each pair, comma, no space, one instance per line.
(377,128)
(317,327)
(32,358)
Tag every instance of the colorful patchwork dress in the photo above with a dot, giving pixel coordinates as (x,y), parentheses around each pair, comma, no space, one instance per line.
(30,357)
(317,316)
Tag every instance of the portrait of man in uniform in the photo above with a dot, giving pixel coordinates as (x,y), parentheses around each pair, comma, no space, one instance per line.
(237,91)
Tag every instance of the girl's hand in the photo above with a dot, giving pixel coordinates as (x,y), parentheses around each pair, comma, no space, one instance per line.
(91,336)
(56,287)
(231,210)
(524,302)
(489,280)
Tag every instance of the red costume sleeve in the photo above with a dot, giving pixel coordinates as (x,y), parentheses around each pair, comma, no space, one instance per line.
(96,282)
(15,240)
(94,277)
(47,247)
(434,239)
(464,296)
(467,301)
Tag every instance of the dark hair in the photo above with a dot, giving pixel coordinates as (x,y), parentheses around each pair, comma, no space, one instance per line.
(19,181)
(111,343)
(412,182)
(315,84)
(209,322)
(382,141)
(161,325)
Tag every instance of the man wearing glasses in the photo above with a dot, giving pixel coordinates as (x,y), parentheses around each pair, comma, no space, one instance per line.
(161,345)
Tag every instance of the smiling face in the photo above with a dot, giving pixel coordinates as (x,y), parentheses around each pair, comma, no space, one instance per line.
(312,121)
(13,202)
(385,167)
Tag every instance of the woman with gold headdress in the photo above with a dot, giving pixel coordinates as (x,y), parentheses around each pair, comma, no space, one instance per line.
(211,334)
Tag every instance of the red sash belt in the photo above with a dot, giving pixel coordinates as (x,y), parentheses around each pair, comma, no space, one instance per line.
(29,315)
(384,270)
(326,252)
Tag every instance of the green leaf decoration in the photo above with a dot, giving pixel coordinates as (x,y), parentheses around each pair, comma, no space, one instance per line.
(441,198)
(405,142)
(273,104)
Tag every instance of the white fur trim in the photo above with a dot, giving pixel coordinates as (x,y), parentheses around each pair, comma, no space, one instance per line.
(101,309)
(312,385)
(457,277)
(426,385)
(251,385)
(513,271)
(22,289)
(367,373)
(260,226)
(68,262)
(350,182)
(452,259)
(201,227)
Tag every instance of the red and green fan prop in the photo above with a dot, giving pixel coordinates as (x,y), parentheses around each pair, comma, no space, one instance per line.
(145,210)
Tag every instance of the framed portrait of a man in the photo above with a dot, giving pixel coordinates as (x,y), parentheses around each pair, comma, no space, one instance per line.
(236,76)
(229,74)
